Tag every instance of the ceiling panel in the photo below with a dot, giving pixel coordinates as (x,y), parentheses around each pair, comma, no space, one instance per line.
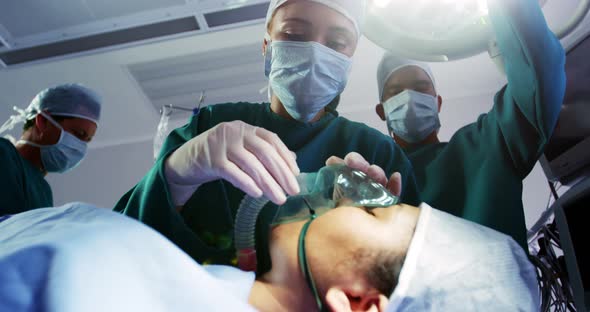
(208,80)
(110,39)
(28,17)
(198,62)
(225,75)
(237,15)
(117,8)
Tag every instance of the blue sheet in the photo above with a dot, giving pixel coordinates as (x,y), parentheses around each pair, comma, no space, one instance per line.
(81,258)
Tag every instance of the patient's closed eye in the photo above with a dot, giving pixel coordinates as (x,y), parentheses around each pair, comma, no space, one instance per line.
(369,211)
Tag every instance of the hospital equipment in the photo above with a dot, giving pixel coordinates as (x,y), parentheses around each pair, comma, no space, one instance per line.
(560,251)
(441,30)
(330,187)
(567,155)
(566,279)
(164,129)
(560,254)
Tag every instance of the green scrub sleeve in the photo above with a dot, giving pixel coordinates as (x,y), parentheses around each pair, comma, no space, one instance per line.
(11,185)
(527,108)
(150,201)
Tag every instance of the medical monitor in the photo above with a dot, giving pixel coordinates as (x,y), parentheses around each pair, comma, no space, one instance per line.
(567,154)
(571,211)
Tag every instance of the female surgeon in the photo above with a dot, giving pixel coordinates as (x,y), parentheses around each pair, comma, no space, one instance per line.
(193,191)
(59,123)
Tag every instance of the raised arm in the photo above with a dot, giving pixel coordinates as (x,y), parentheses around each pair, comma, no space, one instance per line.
(527,108)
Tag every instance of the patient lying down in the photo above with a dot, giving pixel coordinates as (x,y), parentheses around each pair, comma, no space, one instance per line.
(399,258)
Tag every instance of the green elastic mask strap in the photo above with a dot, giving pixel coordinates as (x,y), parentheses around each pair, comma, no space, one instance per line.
(304,265)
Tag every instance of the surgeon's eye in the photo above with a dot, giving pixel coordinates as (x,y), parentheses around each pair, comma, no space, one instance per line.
(80,134)
(294,35)
(339,40)
(337,46)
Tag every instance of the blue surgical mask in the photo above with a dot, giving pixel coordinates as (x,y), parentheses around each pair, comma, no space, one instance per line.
(412,115)
(64,155)
(305,76)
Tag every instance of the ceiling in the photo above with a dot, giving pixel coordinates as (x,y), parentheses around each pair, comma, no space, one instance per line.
(178,48)
(72,26)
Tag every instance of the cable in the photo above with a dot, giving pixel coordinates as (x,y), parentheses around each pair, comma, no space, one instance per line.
(546,214)
(553,280)
(553,191)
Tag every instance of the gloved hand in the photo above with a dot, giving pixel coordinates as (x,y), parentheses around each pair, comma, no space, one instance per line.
(356,161)
(253,159)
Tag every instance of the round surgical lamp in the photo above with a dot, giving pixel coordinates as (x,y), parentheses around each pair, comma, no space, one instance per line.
(441,30)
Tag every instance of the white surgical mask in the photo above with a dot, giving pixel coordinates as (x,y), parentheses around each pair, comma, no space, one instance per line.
(63,155)
(305,76)
(412,115)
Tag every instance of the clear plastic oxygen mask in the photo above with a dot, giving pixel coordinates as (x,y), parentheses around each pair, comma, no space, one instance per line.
(331,187)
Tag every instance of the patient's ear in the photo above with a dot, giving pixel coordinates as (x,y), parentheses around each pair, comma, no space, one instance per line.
(345,300)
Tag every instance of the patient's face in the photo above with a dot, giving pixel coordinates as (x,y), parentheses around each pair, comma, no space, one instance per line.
(352,226)
(337,236)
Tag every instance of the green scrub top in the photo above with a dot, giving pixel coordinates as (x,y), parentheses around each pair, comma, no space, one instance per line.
(204,229)
(478,174)
(22,187)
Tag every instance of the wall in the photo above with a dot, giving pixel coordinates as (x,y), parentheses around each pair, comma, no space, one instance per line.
(104,175)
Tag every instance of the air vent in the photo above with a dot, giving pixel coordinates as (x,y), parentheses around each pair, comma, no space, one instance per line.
(109,39)
(238,15)
(228,75)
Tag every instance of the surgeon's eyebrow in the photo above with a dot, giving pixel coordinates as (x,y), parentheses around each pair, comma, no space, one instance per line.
(342,31)
(297,20)
(418,84)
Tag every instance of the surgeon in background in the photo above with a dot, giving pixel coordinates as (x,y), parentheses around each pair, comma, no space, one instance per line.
(205,168)
(478,174)
(59,123)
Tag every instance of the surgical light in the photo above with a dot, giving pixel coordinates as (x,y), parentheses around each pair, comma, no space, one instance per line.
(440,30)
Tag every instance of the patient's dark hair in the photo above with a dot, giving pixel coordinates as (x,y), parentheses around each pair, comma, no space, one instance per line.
(383,272)
(380,268)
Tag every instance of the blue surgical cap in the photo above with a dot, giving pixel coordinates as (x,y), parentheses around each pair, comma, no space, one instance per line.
(391,63)
(354,10)
(71,100)
(456,265)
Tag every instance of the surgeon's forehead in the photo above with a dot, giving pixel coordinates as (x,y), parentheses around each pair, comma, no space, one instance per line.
(410,77)
(408,74)
(313,14)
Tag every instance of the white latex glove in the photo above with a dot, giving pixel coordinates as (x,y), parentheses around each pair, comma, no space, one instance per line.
(253,159)
(357,161)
